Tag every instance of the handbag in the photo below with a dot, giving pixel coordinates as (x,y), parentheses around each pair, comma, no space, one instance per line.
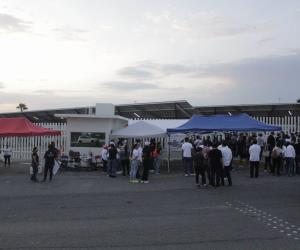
(56,167)
(266,153)
(40,169)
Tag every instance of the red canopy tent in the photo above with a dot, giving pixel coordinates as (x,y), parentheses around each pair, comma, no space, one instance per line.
(20,126)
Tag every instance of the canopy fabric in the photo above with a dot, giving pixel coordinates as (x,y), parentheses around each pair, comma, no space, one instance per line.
(21,126)
(242,122)
(139,130)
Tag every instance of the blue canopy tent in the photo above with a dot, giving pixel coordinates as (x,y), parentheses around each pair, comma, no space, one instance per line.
(213,123)
(221,123)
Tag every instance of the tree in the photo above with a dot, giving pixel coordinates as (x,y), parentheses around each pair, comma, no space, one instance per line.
(298,101)
(22,107)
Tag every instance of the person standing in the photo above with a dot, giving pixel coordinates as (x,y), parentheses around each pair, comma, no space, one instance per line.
(156,156)
(297,159)
(254,152)
(7,152)
(261,143)
(112,160)
(49,157)
(290,155)
(134,164)
(271,142)
(146,162)
(104,157)
(215,163)
(140,159)
(124,158)
(277,157)
(34,164)
(187,148)
(199,166)
(227,161)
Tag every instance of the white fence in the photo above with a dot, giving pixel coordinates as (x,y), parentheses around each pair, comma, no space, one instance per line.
(289,124)
(22,146)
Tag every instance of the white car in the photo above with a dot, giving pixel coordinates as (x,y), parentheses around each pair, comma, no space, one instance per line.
(85,139)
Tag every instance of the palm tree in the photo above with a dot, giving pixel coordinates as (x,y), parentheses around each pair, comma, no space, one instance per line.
(22,107)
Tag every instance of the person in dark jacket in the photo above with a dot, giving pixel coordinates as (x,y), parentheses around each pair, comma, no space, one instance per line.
(49,157)
(271,142)
(146,162)
(34,164)
(112,160)
(216,164)
(297,159)
(200,167)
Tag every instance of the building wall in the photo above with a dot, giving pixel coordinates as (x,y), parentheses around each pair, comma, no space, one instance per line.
(98,125)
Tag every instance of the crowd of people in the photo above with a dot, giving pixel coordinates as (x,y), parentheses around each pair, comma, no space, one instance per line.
(136,163)
(212,157)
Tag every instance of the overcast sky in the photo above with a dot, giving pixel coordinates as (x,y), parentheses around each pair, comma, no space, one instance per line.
(71,53)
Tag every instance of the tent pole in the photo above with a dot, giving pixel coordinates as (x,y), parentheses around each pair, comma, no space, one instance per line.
(169,152)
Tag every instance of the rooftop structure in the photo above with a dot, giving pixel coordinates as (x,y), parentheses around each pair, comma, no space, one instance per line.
(164,110)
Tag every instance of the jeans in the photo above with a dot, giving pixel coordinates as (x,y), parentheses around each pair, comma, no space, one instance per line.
(188,165)
(112,167)
(277,163)
(254,164)
(227,174)
(50,169)
(7,160)
(157,164)
(290,166)
(200,170)
(133,169)
(215,176)
(34,172)
(146,166)
(104,165)
(125,167)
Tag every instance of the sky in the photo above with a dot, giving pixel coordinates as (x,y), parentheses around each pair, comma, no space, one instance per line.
(75,53)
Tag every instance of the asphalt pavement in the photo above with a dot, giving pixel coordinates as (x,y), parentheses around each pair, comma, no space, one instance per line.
(88,210)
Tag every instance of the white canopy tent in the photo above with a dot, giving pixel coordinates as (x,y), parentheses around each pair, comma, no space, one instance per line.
(140,129)
(149,129)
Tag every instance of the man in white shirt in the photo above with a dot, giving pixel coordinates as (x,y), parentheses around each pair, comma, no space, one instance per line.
(290,155)
(187,149)
(254,152)
(227,159)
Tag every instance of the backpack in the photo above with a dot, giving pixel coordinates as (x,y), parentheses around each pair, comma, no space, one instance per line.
(275,154)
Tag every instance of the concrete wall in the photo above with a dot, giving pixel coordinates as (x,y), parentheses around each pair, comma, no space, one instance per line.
(98,125)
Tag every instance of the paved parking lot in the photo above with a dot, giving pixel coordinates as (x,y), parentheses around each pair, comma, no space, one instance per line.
(87,210)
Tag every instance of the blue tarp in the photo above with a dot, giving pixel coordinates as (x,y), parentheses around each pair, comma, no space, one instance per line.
(242,122)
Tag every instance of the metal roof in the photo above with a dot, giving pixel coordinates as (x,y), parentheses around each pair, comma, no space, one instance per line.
(156,110)
(276,110)
(165,110)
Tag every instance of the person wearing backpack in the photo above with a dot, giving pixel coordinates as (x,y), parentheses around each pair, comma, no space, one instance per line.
(277,157)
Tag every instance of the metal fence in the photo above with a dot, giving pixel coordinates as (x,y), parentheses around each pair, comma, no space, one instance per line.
(22,146)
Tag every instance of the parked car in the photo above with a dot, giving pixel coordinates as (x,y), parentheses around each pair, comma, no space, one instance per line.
(86,139)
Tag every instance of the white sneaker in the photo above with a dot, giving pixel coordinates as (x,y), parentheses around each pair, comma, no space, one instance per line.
(186,175)
(146,182)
